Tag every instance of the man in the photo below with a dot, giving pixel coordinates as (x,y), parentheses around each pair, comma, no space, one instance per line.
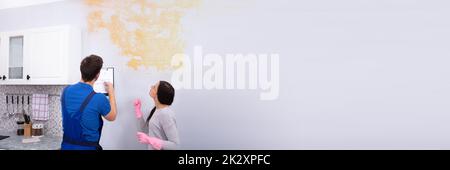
(83,109)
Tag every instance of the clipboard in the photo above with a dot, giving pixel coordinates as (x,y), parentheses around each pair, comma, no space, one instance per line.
(106,75)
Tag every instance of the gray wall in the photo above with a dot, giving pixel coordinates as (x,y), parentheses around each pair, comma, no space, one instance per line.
(353,74)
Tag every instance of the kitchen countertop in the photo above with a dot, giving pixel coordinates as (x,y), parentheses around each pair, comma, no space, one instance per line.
(14,142)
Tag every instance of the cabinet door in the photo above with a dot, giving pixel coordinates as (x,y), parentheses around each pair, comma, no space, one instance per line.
(13,45)
(46,55)
(16,55)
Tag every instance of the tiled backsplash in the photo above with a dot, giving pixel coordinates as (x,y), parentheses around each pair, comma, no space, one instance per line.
(52,127)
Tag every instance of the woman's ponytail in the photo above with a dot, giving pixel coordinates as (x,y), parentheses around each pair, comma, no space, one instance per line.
(151,114)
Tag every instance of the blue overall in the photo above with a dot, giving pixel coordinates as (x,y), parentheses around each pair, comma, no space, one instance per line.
(74,135)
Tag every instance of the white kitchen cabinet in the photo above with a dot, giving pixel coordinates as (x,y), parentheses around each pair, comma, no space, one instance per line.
(40,56)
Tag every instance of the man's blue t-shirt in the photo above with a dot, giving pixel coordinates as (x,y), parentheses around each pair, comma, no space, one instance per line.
(90,123)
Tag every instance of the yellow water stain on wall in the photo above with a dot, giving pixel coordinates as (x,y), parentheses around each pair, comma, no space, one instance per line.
(147,32)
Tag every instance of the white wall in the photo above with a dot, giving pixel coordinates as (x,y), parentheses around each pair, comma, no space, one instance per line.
(354,74)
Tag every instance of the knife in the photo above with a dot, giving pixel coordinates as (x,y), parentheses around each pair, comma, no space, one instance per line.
(7,107)
(27,118)
(12,104)
(17,106)
(23,105)
(28,105)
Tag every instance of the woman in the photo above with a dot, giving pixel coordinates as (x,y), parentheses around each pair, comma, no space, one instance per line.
(161,125)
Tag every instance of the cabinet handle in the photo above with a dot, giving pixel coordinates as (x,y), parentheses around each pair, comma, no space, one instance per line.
(4,77)
(28,77)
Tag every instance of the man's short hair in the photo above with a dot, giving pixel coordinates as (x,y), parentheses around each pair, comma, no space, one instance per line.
(90,67)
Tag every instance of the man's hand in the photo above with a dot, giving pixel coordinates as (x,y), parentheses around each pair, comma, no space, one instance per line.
(109,88)
(112,101)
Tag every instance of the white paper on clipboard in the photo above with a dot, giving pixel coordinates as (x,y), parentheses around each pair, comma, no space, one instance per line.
(106,75)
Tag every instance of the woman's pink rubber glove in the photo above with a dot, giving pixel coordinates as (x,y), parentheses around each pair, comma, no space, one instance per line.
(155,142)
(137,108)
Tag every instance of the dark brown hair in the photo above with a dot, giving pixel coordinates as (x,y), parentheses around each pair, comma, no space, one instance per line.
(90,67)
(165,93)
